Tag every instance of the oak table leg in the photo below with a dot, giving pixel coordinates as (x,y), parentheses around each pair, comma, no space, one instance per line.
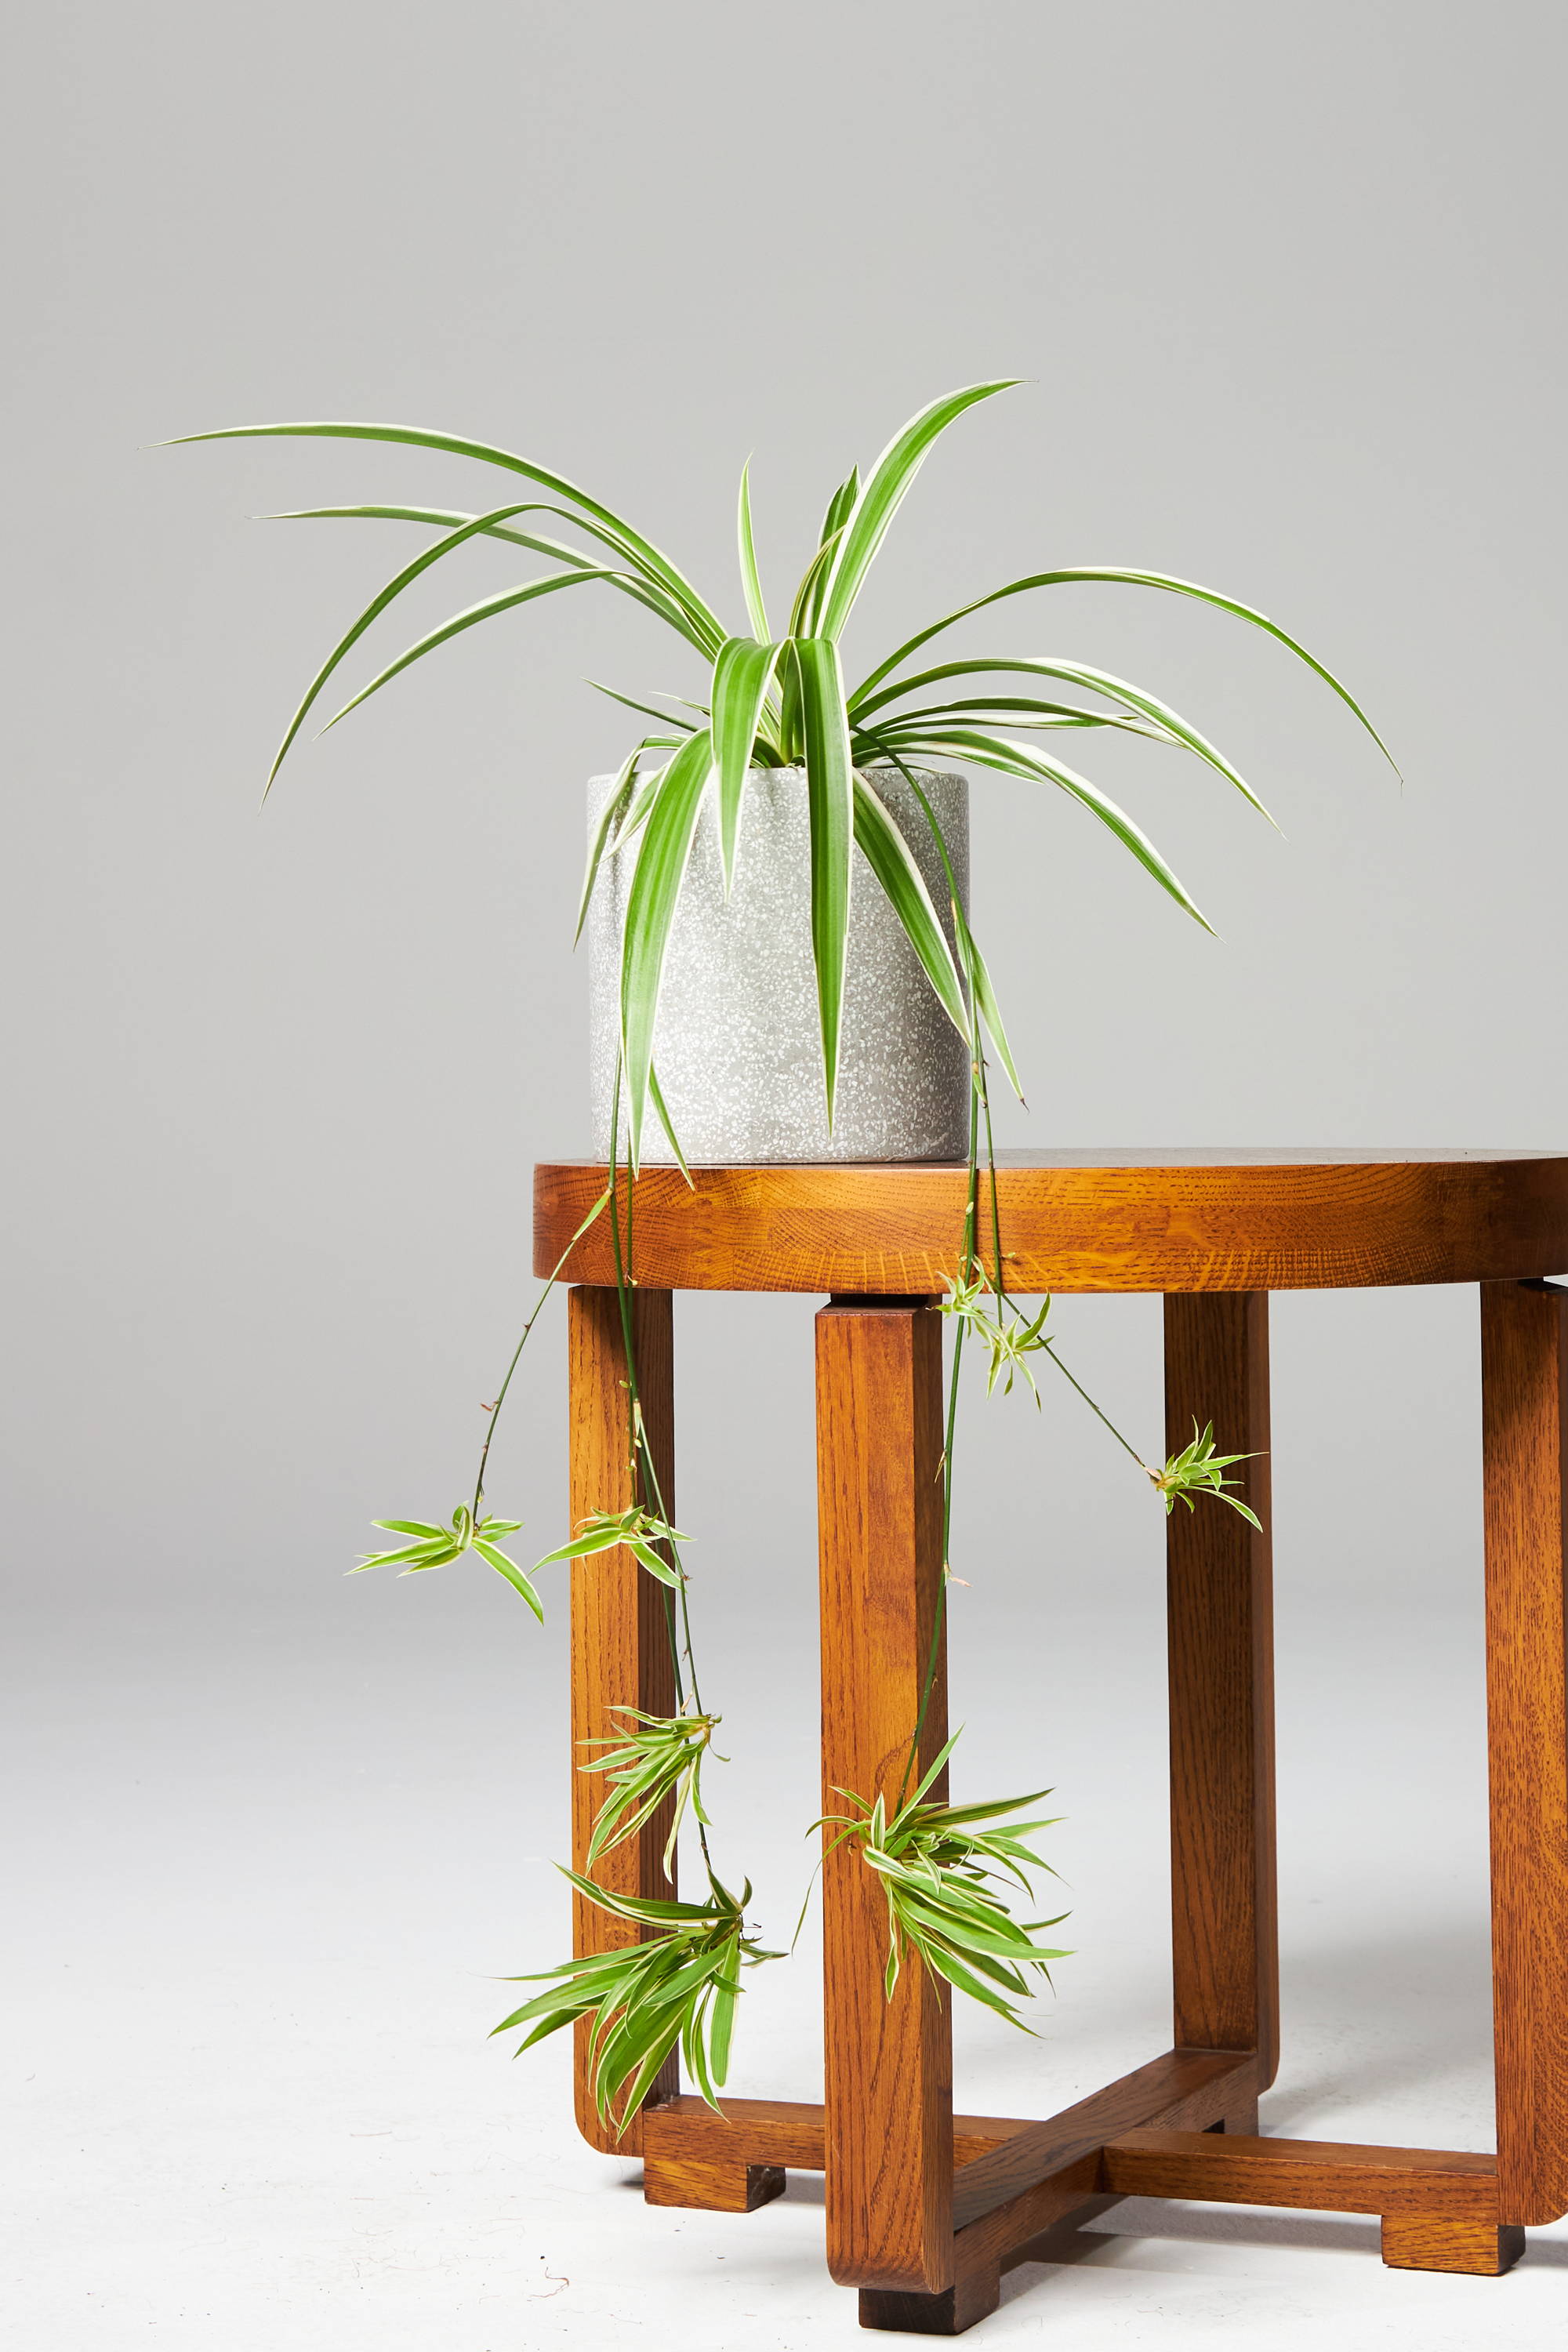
(888,2064)
(620,1641)
(1219,1605)
(1524,1387)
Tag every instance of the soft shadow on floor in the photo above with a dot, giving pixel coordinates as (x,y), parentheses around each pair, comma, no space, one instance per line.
(1420,1997)
(1254,2225)
(1146,2218)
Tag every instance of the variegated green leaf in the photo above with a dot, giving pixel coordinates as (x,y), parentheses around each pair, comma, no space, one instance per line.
(1135,698)
(617,801)
(985,750)
(495,1557)
(989,1010)
(829,780)
(639,552)
(750,579)
(741,677)
(840,506)
(661,1110)
(484,610)
(807,596)
(377,605)
(647,710)
(879,500)
(651,902)
(637,585)
(1090,574)
(889,856)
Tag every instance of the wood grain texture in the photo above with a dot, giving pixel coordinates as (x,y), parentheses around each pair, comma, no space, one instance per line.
(1169,1221)
(1219,1612)
(1414,2241)
(888,2065)
(713,2188)
(784,2131)
(1004,2202)
(923,2209)
(1524,1387)
(1036,2177)
(1323,2176)
(620,1641)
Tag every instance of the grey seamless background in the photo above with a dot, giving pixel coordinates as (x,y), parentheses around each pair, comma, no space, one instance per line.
(1283,285)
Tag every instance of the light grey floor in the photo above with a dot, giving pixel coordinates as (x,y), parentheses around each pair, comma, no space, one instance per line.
(267,1870)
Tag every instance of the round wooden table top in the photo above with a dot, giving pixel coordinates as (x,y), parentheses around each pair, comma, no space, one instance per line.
(1095,1220)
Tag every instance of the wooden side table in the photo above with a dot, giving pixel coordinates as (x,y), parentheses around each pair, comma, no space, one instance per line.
(925,2208)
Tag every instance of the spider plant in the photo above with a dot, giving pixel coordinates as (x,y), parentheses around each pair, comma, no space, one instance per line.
(433,1546)
(938,1865)
(769,698)
(656,1757)
(679,1986)
(639,1531)
(984,1312)
(1197,1470)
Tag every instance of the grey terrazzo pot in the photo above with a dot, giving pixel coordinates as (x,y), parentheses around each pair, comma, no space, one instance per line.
(737,1047)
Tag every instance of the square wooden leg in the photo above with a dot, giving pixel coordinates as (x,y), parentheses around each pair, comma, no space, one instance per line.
(1415,2242)
(1219,1602)
(888,2063)
(1524,1392)
(620,1641)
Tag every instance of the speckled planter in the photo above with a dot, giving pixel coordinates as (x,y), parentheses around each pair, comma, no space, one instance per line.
(737,1047)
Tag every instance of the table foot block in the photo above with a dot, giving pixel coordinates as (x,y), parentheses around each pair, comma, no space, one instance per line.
(959,2307)
(1417,2242)
(713,2188)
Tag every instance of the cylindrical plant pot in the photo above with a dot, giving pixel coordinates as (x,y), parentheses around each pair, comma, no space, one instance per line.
(737,1049)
